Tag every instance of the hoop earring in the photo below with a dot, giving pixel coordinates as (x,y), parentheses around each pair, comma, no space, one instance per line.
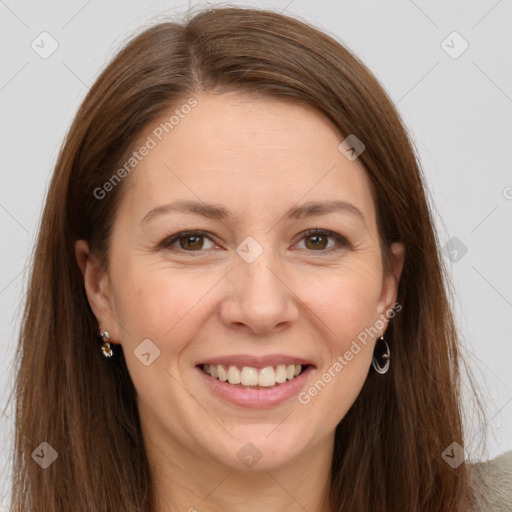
(106,348)
(381,356)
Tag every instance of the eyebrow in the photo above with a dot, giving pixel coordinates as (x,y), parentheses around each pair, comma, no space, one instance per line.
(218,212)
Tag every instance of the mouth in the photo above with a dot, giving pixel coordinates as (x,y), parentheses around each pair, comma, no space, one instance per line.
(250,377)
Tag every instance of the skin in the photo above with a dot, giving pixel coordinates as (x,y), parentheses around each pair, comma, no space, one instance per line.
(258,158)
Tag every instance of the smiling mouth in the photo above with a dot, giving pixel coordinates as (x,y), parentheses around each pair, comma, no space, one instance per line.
(248,377)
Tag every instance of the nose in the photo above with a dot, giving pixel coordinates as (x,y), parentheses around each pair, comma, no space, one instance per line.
(260,296)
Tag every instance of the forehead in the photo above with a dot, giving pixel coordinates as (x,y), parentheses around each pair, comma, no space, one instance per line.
(253,154)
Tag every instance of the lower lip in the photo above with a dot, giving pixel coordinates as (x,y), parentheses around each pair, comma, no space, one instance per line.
(256,397)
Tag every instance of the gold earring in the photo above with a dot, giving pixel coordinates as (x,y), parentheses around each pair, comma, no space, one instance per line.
(106,348)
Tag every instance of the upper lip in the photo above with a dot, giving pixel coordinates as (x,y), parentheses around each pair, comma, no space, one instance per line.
(255,361)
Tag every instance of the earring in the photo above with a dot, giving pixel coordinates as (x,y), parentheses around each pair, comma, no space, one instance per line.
(106,348)
(381,356)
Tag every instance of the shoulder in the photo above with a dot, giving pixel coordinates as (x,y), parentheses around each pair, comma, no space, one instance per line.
(492,481)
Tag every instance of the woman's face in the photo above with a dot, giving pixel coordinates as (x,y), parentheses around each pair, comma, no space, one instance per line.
(253,290)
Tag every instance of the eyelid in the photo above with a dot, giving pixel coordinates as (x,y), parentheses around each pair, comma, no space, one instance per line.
(168,241)
(342,241)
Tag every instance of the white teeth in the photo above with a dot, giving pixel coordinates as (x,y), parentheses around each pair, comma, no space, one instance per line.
(233,375)
(267,377)
(249,376)
(223,376)
(281,373)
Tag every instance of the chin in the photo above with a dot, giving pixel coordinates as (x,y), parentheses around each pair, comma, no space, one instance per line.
(258,447)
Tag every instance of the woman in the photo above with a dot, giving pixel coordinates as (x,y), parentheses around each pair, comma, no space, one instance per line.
(238,216)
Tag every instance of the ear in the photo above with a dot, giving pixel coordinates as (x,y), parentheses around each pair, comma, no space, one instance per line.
(391,281)
(98,289)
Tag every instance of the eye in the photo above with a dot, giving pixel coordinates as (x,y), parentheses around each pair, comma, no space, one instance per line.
(189,241)
(320,237)
(193,241)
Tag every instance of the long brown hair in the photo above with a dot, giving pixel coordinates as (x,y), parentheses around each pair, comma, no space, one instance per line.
(388,447)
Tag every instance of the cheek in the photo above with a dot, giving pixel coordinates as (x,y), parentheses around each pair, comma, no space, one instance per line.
(159,304)
(154,302)
(347,303)
(346,310)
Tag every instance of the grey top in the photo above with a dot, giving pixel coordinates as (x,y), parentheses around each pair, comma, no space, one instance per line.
(493,484)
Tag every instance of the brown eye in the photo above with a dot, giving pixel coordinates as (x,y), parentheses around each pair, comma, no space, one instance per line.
(187,241)
(317,240)
(193,242)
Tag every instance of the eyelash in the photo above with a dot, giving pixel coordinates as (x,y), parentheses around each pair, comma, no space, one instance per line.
(167,242)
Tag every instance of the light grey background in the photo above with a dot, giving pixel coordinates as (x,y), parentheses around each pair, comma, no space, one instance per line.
(458,112)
